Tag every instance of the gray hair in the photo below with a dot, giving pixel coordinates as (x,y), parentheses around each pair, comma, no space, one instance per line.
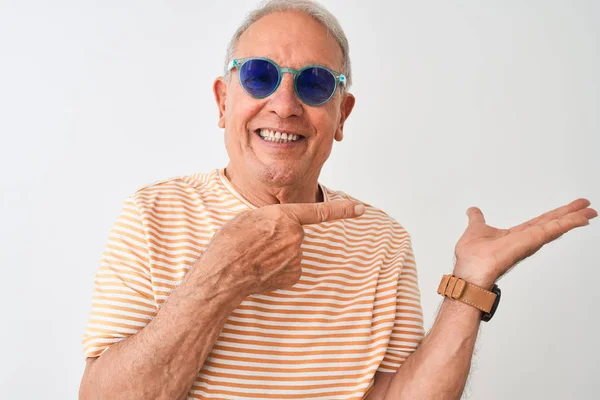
(311,8)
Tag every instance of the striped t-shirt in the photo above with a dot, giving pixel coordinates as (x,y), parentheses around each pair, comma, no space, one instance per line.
(355,310)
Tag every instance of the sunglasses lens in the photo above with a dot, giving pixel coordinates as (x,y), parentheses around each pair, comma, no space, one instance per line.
(259,77)
(315,85)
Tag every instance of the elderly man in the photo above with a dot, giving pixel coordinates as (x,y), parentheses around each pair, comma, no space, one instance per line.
(255,281)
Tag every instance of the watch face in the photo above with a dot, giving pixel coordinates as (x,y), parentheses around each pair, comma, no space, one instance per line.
(485,317)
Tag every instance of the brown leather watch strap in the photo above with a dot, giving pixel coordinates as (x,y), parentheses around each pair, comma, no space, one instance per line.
(473,295)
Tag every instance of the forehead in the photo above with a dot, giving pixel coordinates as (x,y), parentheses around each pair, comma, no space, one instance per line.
(291,39)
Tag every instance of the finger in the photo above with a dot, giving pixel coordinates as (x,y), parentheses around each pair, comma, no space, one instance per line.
(475,215)
(283,281)
(315,213)
(573,206)
(528,241)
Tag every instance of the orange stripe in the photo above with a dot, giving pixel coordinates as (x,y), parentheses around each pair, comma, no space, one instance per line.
(308,303)
(357,376)
(366,324)
(262,395)
(277,387)
(338,361)
(319,335)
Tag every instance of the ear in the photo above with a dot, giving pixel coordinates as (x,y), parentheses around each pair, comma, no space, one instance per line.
(346,108)
(220,92)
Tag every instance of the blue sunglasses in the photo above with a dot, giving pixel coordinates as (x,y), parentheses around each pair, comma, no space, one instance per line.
(260,77)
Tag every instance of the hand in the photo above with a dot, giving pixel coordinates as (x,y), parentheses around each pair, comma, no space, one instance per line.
(259,250)
(484,253)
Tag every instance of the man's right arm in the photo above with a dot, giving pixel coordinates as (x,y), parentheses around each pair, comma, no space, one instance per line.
(257,252)
(162,360)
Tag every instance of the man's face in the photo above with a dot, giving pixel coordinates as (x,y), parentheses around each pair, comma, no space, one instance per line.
(294,40)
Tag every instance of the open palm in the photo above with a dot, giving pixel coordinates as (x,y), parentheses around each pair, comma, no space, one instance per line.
(484,253)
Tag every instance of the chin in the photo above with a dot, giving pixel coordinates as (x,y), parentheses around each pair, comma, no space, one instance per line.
(278,175)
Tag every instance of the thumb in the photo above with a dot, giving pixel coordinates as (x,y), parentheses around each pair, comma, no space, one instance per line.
(475,215)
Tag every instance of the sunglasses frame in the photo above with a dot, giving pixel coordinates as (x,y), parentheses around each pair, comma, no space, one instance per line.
(340,79)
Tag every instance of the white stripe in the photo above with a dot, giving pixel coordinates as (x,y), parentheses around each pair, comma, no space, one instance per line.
(367,370)
(249,330)
(123,313)
(289,339)
(265,360)
(122,321)
(261,391)
(105,297)
(289,313)
(315,310)
(116,284)
(120,330)
(287,385)
(299,353)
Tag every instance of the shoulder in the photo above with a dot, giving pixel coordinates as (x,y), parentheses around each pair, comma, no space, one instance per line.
(191,181)
(183,190)
(374,220)
(182,185)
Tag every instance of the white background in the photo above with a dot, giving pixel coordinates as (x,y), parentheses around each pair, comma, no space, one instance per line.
(494,104)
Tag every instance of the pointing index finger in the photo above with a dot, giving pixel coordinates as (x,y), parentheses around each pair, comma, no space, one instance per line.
(315,213)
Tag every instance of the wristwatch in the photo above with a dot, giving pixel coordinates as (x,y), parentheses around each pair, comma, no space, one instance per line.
(473,295)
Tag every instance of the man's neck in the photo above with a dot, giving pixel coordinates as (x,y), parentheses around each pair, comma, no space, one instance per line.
(259,194)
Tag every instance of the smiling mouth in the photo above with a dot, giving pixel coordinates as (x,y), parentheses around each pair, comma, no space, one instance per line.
(274,136)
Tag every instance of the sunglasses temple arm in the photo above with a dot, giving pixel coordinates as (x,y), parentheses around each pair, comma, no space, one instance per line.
(231,64)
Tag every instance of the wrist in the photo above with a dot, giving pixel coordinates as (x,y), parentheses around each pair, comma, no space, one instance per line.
(473,292)
(210,284)
(483,281)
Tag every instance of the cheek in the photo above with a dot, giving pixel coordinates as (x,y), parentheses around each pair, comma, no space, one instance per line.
(325,123)
(240,109)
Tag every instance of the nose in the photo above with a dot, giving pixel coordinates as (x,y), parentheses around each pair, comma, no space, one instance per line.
(284,102)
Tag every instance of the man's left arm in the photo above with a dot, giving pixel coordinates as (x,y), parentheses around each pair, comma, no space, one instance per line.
(439,368)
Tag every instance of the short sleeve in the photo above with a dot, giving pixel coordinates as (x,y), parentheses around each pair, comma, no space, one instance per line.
(408,331)
(123,301)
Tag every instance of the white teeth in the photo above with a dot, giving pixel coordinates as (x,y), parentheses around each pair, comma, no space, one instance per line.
(277,137)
